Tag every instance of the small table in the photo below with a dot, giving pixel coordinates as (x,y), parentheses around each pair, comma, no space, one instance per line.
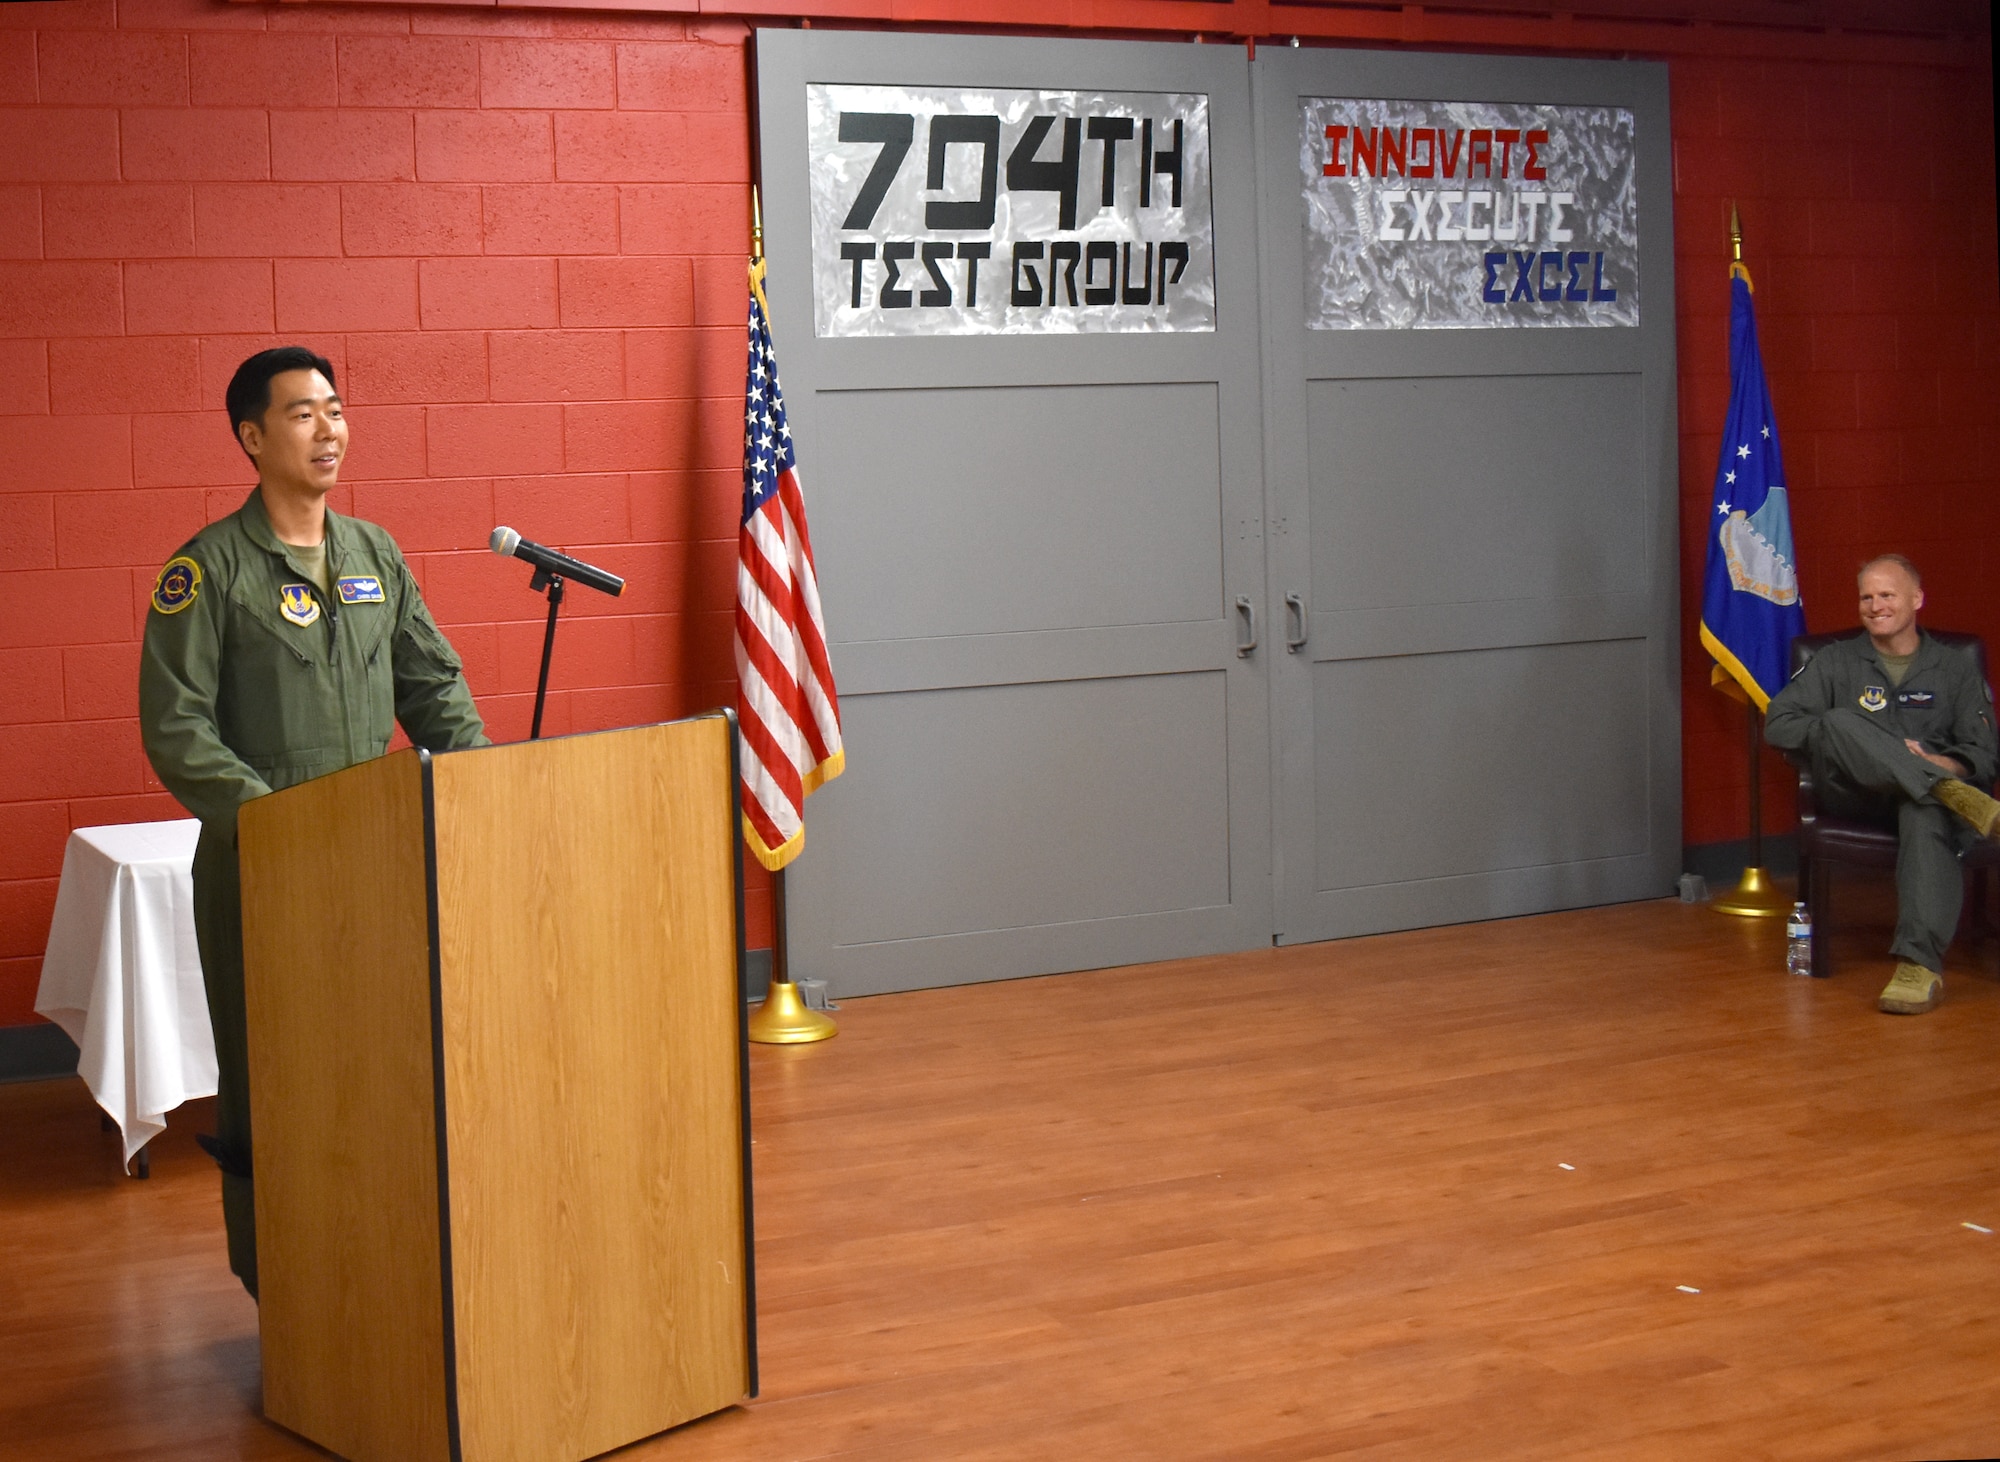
(122,976)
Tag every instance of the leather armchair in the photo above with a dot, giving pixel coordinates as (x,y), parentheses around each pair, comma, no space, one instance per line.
(1825,841)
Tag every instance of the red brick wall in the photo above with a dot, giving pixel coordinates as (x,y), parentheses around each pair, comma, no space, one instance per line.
(1867,198)
(519,237)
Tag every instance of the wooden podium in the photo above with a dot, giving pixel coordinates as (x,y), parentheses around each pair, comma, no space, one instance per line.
(499,1089)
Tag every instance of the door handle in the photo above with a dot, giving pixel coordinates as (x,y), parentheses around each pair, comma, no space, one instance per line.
(1249,612)
(1297,606)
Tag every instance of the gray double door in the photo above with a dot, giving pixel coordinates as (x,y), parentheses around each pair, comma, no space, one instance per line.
(1162,644)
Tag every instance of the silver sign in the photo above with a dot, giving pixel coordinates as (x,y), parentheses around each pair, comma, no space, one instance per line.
(950,211)
(1467,215)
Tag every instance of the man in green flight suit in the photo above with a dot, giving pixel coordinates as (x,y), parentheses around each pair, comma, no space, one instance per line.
(1899,731)
(283,642)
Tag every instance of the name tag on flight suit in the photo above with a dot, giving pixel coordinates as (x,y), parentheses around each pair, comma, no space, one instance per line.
(1916,700)
(360,589)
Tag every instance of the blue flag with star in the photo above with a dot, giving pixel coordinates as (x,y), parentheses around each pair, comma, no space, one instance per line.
(1750,610)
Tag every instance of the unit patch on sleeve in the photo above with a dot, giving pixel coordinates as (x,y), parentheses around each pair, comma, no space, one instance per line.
(1874,698)
(177,585)
(360,589)
(298,603)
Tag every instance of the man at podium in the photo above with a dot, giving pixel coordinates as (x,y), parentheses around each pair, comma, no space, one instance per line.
(283,642)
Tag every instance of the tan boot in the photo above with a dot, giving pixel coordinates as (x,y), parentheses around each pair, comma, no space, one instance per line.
(1913,991)
(1969,803)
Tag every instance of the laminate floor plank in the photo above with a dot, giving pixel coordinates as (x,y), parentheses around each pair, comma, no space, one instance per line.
(1298,1204)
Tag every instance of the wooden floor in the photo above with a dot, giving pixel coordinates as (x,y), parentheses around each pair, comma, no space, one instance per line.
(1431,1195)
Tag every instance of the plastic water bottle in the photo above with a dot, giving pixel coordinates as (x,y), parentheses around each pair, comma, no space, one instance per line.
(1798,941)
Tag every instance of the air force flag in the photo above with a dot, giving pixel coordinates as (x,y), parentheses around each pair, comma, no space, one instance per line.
(1750,610)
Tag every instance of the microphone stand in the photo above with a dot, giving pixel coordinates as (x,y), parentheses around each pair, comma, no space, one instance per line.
(552,585)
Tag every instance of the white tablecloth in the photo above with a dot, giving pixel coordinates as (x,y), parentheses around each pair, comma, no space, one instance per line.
(122,977)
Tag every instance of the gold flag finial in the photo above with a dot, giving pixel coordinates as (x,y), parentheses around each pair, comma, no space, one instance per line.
(1735,234)
(756,224)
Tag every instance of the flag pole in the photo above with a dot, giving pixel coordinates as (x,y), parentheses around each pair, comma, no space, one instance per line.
(783,1019)
(1757,895)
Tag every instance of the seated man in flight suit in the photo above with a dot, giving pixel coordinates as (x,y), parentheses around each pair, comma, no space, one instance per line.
(1899,731)
(283,642)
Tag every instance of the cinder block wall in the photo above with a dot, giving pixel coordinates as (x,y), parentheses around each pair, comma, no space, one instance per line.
(519,235)
(1867,197)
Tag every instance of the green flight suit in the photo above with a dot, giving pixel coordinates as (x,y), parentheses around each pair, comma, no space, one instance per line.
(251,679)
(1845,716)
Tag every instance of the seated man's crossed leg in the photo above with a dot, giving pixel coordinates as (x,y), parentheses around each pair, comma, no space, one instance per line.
(1862,770)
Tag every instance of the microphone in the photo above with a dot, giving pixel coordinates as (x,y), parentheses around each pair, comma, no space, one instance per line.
(509,544)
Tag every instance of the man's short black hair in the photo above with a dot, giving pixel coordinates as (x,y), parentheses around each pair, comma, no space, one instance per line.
(250,388)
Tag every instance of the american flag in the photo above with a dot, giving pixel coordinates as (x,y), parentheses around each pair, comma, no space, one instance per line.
(786,706)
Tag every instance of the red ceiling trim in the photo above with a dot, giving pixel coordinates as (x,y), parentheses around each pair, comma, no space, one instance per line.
(1273,22)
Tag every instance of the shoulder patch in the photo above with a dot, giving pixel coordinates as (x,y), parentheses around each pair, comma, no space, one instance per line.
(178,584)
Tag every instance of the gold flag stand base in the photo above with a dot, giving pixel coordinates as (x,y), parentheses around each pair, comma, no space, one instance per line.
(784,1020)
(1757,896)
